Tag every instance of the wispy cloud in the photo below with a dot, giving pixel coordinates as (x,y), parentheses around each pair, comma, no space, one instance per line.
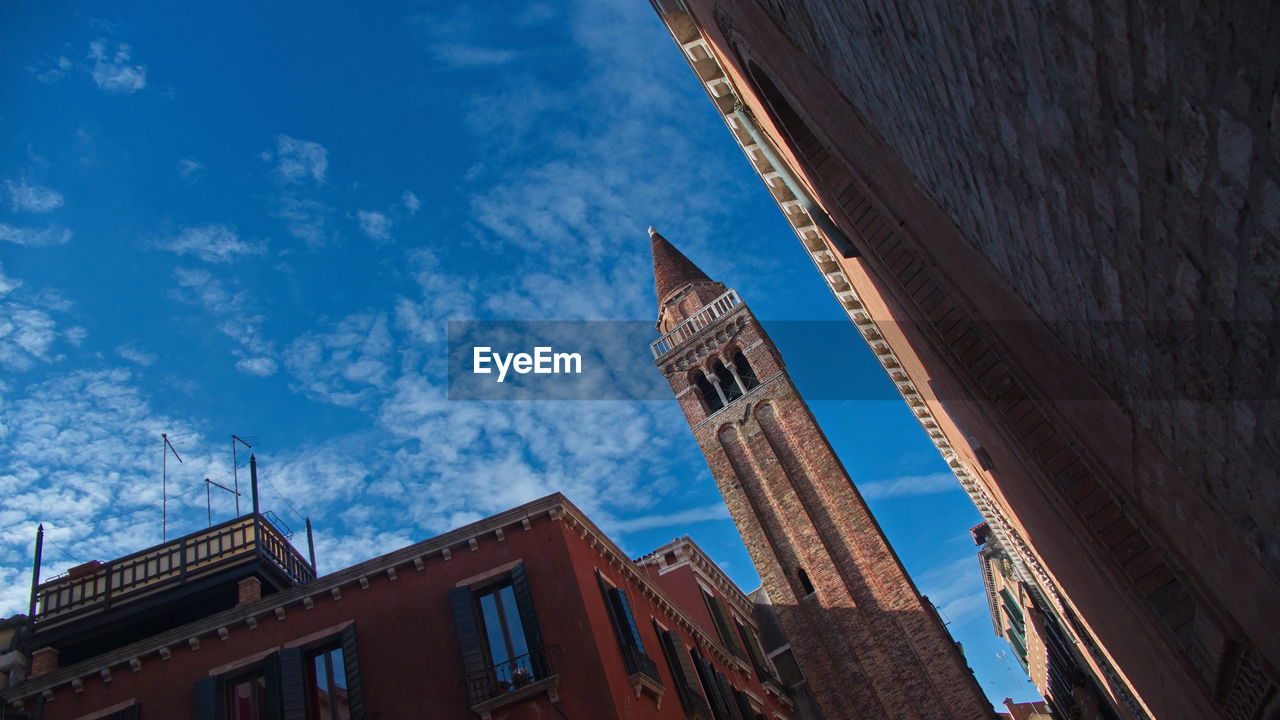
(955,587)
(374,225)
(52,70)
(213,243)
(260,366)
(190,169)
(299,169)
(137,356)
(464,56)
(236,316)
(345,365)
(299,160)
(909,486)
(34,237)
(26,335)
(715,511)
(24,197)
(113,71)
(409,201)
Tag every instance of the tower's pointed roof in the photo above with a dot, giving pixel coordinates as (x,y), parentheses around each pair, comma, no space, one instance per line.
(671,269)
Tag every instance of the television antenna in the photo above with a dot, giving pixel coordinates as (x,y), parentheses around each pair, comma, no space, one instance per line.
(234,468)
(208,498)
(164,484)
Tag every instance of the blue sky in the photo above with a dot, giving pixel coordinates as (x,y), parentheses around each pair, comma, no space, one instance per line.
(258,219)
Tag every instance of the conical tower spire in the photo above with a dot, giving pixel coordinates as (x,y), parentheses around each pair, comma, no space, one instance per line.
(671,269)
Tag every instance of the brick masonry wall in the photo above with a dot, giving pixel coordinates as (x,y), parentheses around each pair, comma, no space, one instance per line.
(1117,163)
(866,640)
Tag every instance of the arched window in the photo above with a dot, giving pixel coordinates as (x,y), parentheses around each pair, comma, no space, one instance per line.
(727,382)
(711,401)
(745,373)
(806,586)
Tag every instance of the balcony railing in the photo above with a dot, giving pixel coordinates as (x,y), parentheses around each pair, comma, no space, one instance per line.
(163,566)
(690,327)
(509,676)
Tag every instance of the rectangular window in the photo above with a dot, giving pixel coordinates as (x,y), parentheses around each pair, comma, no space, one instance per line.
(751,639)
(327,685)
(723,623)
(505,641)
(624,628)
(499,636)
(247,697)
(683,671)
(319,684)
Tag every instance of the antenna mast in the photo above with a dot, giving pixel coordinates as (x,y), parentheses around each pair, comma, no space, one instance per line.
(234,469)
(164,486)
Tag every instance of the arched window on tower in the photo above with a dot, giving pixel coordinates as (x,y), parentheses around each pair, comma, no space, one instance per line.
(728,383)
(711,401)
(745,373)
(806,586)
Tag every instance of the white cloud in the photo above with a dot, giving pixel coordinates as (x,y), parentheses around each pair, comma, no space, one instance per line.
(909,486)
(409,201)
(135,355)
(214,243)
(300,160)
(459,55)
(715,511)
(236,317)
(374,225)
(52,71)
(112,71)
(346,365)
(34,237)
(300,168)
(955,587)
(24,197)
(80,456)
(8,284)
(304,218)
(260,366)
(190,169)
(26,335)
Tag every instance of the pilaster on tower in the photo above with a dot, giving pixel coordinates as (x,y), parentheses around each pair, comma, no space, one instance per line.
(869,645)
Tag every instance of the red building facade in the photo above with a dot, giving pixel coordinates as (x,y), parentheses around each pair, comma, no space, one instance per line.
(532,613)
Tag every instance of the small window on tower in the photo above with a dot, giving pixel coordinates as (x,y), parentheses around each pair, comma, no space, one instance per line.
(806,587)
(727,382)
(745,373)
(706,393)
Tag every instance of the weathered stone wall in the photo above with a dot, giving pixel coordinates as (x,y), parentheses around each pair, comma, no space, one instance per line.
(1118,162)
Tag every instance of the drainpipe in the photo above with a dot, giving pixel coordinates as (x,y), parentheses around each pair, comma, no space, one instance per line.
(820,217)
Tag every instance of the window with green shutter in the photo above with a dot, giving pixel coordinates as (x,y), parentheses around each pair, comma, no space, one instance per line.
(626,631)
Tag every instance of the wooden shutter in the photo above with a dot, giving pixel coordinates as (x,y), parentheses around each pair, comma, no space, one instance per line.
(752,640)
(290,684)
(682,670)
(271,674)
(744,705)
(208,701)
(721,706)
(614,620)
(729,694)
(130,713)
(724,625)
(474,666)
(355,679)
(529,620)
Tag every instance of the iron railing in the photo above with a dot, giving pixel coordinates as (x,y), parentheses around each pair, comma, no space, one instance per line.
(508,676)
(690,327)
(143,573)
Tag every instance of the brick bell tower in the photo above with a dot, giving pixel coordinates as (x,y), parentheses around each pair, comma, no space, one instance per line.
(867,642)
